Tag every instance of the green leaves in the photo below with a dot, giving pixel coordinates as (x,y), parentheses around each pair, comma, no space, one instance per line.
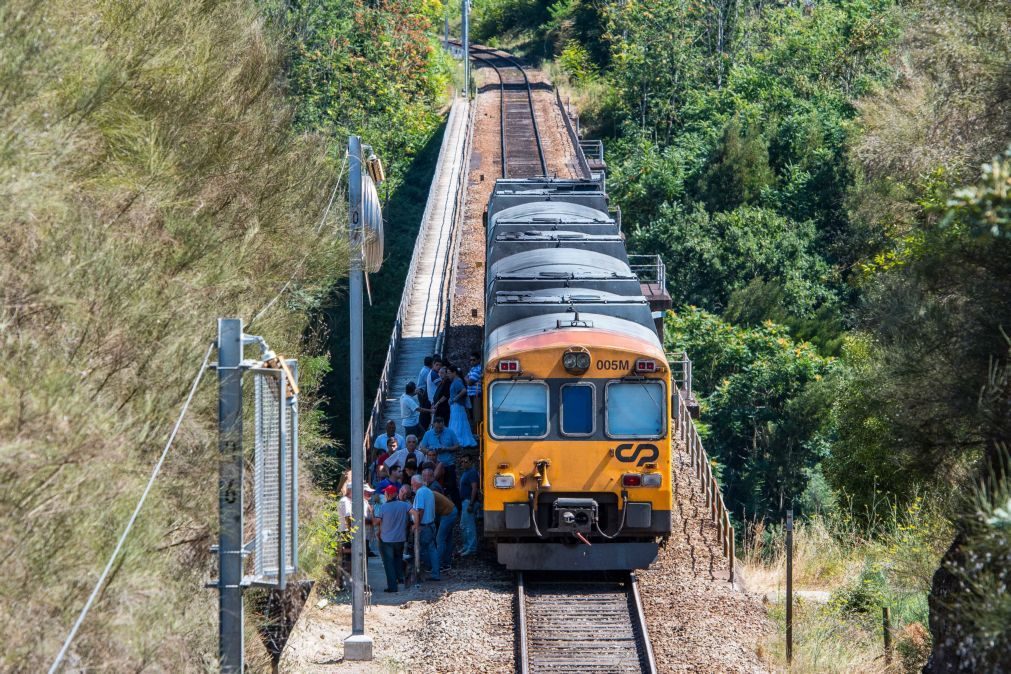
(986,206)
(763,404)
(372,71)
(710,256)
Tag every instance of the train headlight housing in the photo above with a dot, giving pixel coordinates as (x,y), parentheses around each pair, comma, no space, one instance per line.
(646,365)
(576,360)
(512,366)
(641,480)
(652,480)
(504,481)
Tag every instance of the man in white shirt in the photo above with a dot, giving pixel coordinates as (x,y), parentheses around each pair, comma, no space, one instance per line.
(410,411)
(383,441)
(399,457)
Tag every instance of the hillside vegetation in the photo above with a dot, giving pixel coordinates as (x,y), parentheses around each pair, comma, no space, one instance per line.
(157,171)
(828,183)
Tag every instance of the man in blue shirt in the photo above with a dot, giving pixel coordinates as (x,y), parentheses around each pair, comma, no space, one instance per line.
(424,522)
(445,442)
(392,520)
(393,480)
(426,369)
(469,488)
(474,387)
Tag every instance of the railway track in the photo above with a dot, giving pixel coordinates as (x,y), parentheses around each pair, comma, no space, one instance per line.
(522,151)
(578,624)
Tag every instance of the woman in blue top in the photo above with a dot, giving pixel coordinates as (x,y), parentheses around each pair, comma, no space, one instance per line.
(458,421)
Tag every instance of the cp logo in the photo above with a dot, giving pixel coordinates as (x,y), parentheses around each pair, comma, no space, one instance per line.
(626,454)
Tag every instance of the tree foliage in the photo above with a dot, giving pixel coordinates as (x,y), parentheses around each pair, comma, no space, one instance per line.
(710,256)
(763,407)
(369,69)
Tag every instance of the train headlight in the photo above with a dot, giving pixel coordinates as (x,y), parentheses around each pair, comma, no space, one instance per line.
(576,361)
(506,481)
(512,366)
(652,480)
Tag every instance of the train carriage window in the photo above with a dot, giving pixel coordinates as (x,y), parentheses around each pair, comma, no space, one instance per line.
(518,409)
(635,409)
(577,413)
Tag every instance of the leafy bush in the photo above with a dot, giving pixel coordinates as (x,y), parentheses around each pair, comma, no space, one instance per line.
(710,256)
(576,63)
(761,396)
(150,181)
(368,69)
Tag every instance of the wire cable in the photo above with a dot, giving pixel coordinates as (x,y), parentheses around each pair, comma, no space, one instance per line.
(133,518)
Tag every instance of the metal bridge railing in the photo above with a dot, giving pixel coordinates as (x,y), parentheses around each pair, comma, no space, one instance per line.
(702,467)
(453,250)
(383,388)
(649,269)
(574,137)
(681,372)
(592,149)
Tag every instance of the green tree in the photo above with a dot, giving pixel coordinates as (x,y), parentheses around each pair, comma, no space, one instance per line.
(710,256)
(369,70)
(763,403)
(739,170)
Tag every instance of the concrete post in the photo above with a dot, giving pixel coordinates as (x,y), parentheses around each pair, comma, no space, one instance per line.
(358,646)
(466,48)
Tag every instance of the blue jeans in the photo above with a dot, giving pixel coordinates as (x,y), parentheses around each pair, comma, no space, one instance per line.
(445,537)
(428,549)
(468,527)
(393,563)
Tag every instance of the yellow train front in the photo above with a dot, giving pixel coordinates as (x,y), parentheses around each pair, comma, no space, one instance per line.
(576,444)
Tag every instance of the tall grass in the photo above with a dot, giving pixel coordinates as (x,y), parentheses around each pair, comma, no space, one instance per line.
(844,573)
(149,183)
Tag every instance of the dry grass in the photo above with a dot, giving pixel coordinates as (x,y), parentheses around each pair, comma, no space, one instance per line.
(843,576)
(821,562)
(149,183)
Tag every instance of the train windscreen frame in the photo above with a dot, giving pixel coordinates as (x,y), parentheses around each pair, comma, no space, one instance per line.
(518,410)
(635,409)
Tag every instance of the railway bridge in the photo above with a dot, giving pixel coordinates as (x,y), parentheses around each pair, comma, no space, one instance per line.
(519,127)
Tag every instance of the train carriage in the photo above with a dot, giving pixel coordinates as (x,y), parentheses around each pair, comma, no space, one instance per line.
(576,444)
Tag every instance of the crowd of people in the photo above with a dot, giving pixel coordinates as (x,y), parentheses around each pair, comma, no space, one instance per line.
(425,480)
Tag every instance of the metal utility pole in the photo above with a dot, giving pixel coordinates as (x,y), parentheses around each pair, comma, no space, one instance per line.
(466,48)
(358,646)
(789,585)
(230,635)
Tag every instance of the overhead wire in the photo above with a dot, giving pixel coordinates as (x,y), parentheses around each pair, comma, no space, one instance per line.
(133,518)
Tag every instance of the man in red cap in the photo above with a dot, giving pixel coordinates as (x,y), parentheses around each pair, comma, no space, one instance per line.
(392,518)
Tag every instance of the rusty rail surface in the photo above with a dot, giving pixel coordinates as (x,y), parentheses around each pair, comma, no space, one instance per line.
(522,151)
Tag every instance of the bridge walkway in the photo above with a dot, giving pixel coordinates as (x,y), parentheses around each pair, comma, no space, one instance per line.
(424,307)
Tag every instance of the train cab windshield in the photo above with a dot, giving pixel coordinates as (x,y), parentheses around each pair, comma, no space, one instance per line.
(635,409)
(519,409)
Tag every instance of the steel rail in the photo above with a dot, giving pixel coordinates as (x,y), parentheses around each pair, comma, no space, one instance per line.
(572,623)
(502,113)
(477,54)
(521,626)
